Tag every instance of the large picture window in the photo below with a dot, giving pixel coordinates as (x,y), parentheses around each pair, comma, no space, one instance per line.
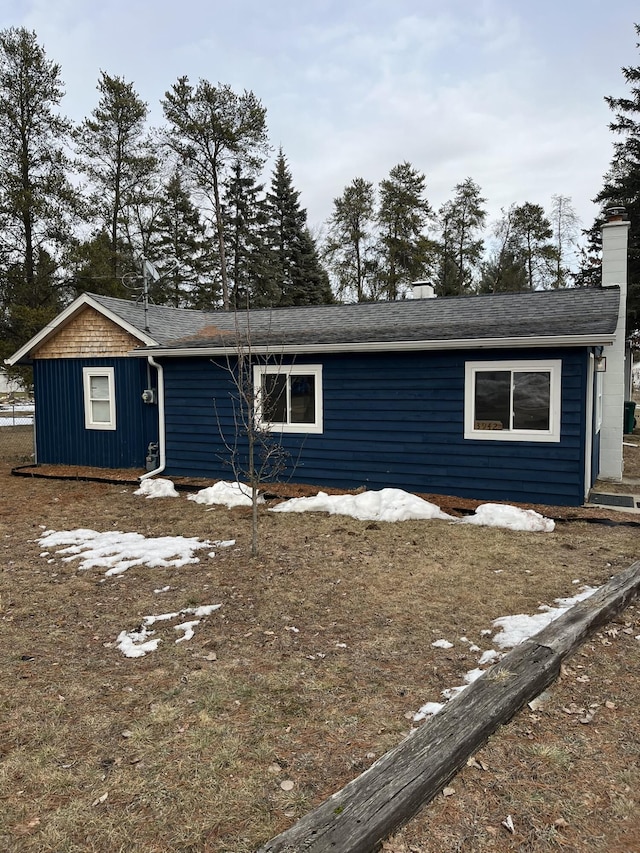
(513,401)
(99,398)
(289,397)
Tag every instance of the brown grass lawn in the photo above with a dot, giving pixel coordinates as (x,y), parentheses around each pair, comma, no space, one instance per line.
(186,749)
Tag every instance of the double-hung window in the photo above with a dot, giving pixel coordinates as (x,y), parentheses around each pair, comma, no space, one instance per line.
(513,400)
(99,398)
(288,397)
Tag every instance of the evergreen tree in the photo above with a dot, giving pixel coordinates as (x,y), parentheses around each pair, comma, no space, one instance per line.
(210,129)
(118,158)
(532,236)
(91,266)
(180,251)
(294,262)
(622,188)
(250,275)
(505,269)
(460,250)
(404,250)
(350,241)
(37,203)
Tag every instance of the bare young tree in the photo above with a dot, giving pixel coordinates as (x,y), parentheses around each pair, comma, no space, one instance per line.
(253,449)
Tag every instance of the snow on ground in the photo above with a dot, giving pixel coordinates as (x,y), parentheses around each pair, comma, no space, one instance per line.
(136,643)
(511,517)
(116,551)
(384,505)
(225,494)
(517,629)
(514,630)
(397,505)
(157,488)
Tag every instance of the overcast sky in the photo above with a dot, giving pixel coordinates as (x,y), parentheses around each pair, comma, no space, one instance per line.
(507,92)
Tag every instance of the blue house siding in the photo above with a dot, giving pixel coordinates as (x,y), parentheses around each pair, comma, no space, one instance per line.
(394,419)
(61,436)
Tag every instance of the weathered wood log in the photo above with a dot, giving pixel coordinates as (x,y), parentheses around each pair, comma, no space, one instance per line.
(359,817)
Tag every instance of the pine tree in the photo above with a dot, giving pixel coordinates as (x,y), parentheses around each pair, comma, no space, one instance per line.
(460,250)
(404,249)
(250,280)
(532,237)
(179,249)
(505,270)
(118,158)
(622,188)
(294,261)
(350,241)
(210,129)
(37,203)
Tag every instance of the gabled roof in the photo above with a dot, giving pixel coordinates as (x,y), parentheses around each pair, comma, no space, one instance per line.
(72,311)
(586,316)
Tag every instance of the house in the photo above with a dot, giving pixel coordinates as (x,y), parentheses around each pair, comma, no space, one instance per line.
(497,397)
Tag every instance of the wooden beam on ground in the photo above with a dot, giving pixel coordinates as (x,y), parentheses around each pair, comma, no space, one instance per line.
(358,818)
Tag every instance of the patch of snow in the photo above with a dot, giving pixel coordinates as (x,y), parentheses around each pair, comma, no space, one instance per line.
(134,644)
(429,709)
(517,629)
(442,644)
(117,551)
(187,627)
(511,517)
(225,494)
(385,505)
(473,675)
(451,692)
(157,488)
(514,630)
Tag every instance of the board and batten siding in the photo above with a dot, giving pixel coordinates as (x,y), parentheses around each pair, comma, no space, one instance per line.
(390,420)
(61,436)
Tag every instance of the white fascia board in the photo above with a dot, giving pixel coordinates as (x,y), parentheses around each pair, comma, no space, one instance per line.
(383,346)
(68,314)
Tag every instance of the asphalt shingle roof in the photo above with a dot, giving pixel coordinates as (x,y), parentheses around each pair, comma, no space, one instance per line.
(589,312)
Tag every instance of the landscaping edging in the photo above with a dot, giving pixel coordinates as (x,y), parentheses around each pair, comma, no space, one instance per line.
(359,817)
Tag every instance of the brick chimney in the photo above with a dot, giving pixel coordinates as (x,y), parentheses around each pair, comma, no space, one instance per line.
(615,231)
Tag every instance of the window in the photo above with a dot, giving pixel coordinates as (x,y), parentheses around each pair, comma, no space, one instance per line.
(289,398)
(99,398)
(512,400)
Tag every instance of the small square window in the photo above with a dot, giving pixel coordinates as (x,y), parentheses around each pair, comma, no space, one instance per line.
(99,398)
(289,398)
(513,401)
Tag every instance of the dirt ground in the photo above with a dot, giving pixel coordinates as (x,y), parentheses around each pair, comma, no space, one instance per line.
(312,668)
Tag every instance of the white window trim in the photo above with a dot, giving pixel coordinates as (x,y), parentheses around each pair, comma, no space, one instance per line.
(87,374)
(260,370)
(552,366)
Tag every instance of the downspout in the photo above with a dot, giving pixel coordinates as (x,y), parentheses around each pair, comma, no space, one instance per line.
(161,425)
(614,274)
